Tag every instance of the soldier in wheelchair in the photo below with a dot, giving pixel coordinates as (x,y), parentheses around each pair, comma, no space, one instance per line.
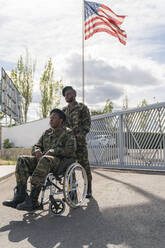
(53,157)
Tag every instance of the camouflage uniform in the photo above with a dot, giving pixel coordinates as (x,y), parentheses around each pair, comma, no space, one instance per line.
(78,119)
(61,144)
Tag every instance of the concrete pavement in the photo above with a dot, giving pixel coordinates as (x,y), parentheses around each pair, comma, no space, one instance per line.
(126,211)
(6,171)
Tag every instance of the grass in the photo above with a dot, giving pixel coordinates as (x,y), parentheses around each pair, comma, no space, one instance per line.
(7,162)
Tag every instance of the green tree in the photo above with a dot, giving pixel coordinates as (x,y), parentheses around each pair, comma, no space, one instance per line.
(128,117)
(50,90)
(143,115)
(23,76)
(143,103)
(108,107)
(125,103)
(96,112)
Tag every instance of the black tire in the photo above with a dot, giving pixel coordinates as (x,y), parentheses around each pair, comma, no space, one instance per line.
(57,206)
(75,185)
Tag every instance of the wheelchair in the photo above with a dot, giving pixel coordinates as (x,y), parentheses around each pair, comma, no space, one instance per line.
(72,185)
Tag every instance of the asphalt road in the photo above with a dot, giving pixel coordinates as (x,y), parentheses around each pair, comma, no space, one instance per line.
(127,211)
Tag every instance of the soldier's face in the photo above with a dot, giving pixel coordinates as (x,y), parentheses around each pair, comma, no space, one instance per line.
(70,96)
(55,121)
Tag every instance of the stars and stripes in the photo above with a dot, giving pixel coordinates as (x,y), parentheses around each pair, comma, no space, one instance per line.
(100,18)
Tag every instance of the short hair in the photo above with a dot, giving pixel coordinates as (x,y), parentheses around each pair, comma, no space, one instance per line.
(59,112)
(67,88)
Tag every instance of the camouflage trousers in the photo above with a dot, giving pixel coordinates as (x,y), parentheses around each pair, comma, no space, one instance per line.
(38,170)
(82,157)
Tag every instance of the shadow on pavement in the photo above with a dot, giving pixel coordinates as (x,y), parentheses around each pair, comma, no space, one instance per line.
(133,226)
(82,227)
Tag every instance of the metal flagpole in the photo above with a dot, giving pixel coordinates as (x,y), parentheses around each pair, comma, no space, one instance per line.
(83,77)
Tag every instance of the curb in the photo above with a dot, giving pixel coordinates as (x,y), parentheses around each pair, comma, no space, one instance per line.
(6,176)
(131,170)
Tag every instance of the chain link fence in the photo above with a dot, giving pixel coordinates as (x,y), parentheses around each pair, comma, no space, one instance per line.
(129,139)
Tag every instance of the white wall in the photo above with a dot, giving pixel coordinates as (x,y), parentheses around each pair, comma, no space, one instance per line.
(25,135)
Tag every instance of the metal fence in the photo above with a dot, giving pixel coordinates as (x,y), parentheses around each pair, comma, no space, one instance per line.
(129,139)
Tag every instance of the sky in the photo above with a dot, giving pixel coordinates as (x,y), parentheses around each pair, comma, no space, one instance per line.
(49,28)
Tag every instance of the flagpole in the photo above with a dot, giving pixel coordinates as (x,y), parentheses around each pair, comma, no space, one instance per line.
(83,64)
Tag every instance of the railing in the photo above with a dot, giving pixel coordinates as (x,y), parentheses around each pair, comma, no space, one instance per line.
(129,139)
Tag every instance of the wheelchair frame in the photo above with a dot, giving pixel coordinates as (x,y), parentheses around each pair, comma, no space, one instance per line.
(73,185)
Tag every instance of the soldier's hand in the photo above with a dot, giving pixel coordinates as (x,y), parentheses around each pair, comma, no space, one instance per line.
(48,153)
(38,154)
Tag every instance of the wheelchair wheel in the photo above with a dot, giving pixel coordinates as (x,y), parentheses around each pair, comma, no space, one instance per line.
(57,206)
(75,185)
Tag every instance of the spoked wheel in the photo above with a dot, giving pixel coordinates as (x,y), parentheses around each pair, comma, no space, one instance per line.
(75,185)
(57,206)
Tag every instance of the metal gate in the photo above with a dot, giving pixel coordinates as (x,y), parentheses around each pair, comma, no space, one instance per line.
(129,139)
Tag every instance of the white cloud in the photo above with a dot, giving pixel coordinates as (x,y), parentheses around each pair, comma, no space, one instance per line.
(49,29)
(100,71)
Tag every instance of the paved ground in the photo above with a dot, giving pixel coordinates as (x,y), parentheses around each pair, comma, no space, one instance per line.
(6,170)
(127,211)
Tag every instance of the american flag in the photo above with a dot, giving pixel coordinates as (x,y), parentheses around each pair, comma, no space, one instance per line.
(100,18)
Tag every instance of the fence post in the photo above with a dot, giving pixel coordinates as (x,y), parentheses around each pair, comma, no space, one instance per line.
(121,154)
(0,136)
(164,147)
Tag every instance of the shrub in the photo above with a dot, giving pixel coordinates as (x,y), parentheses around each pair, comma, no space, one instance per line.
(7,144)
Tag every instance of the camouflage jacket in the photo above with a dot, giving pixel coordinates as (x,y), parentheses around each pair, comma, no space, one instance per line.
(78,119)
(60,143)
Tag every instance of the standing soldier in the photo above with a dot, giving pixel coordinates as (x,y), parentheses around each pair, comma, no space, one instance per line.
(78,119)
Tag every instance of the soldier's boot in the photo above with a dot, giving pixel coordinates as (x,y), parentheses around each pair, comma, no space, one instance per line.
(89,190)
(31,202)
(19,196)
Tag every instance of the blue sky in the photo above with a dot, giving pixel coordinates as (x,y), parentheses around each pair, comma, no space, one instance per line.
(111,69)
